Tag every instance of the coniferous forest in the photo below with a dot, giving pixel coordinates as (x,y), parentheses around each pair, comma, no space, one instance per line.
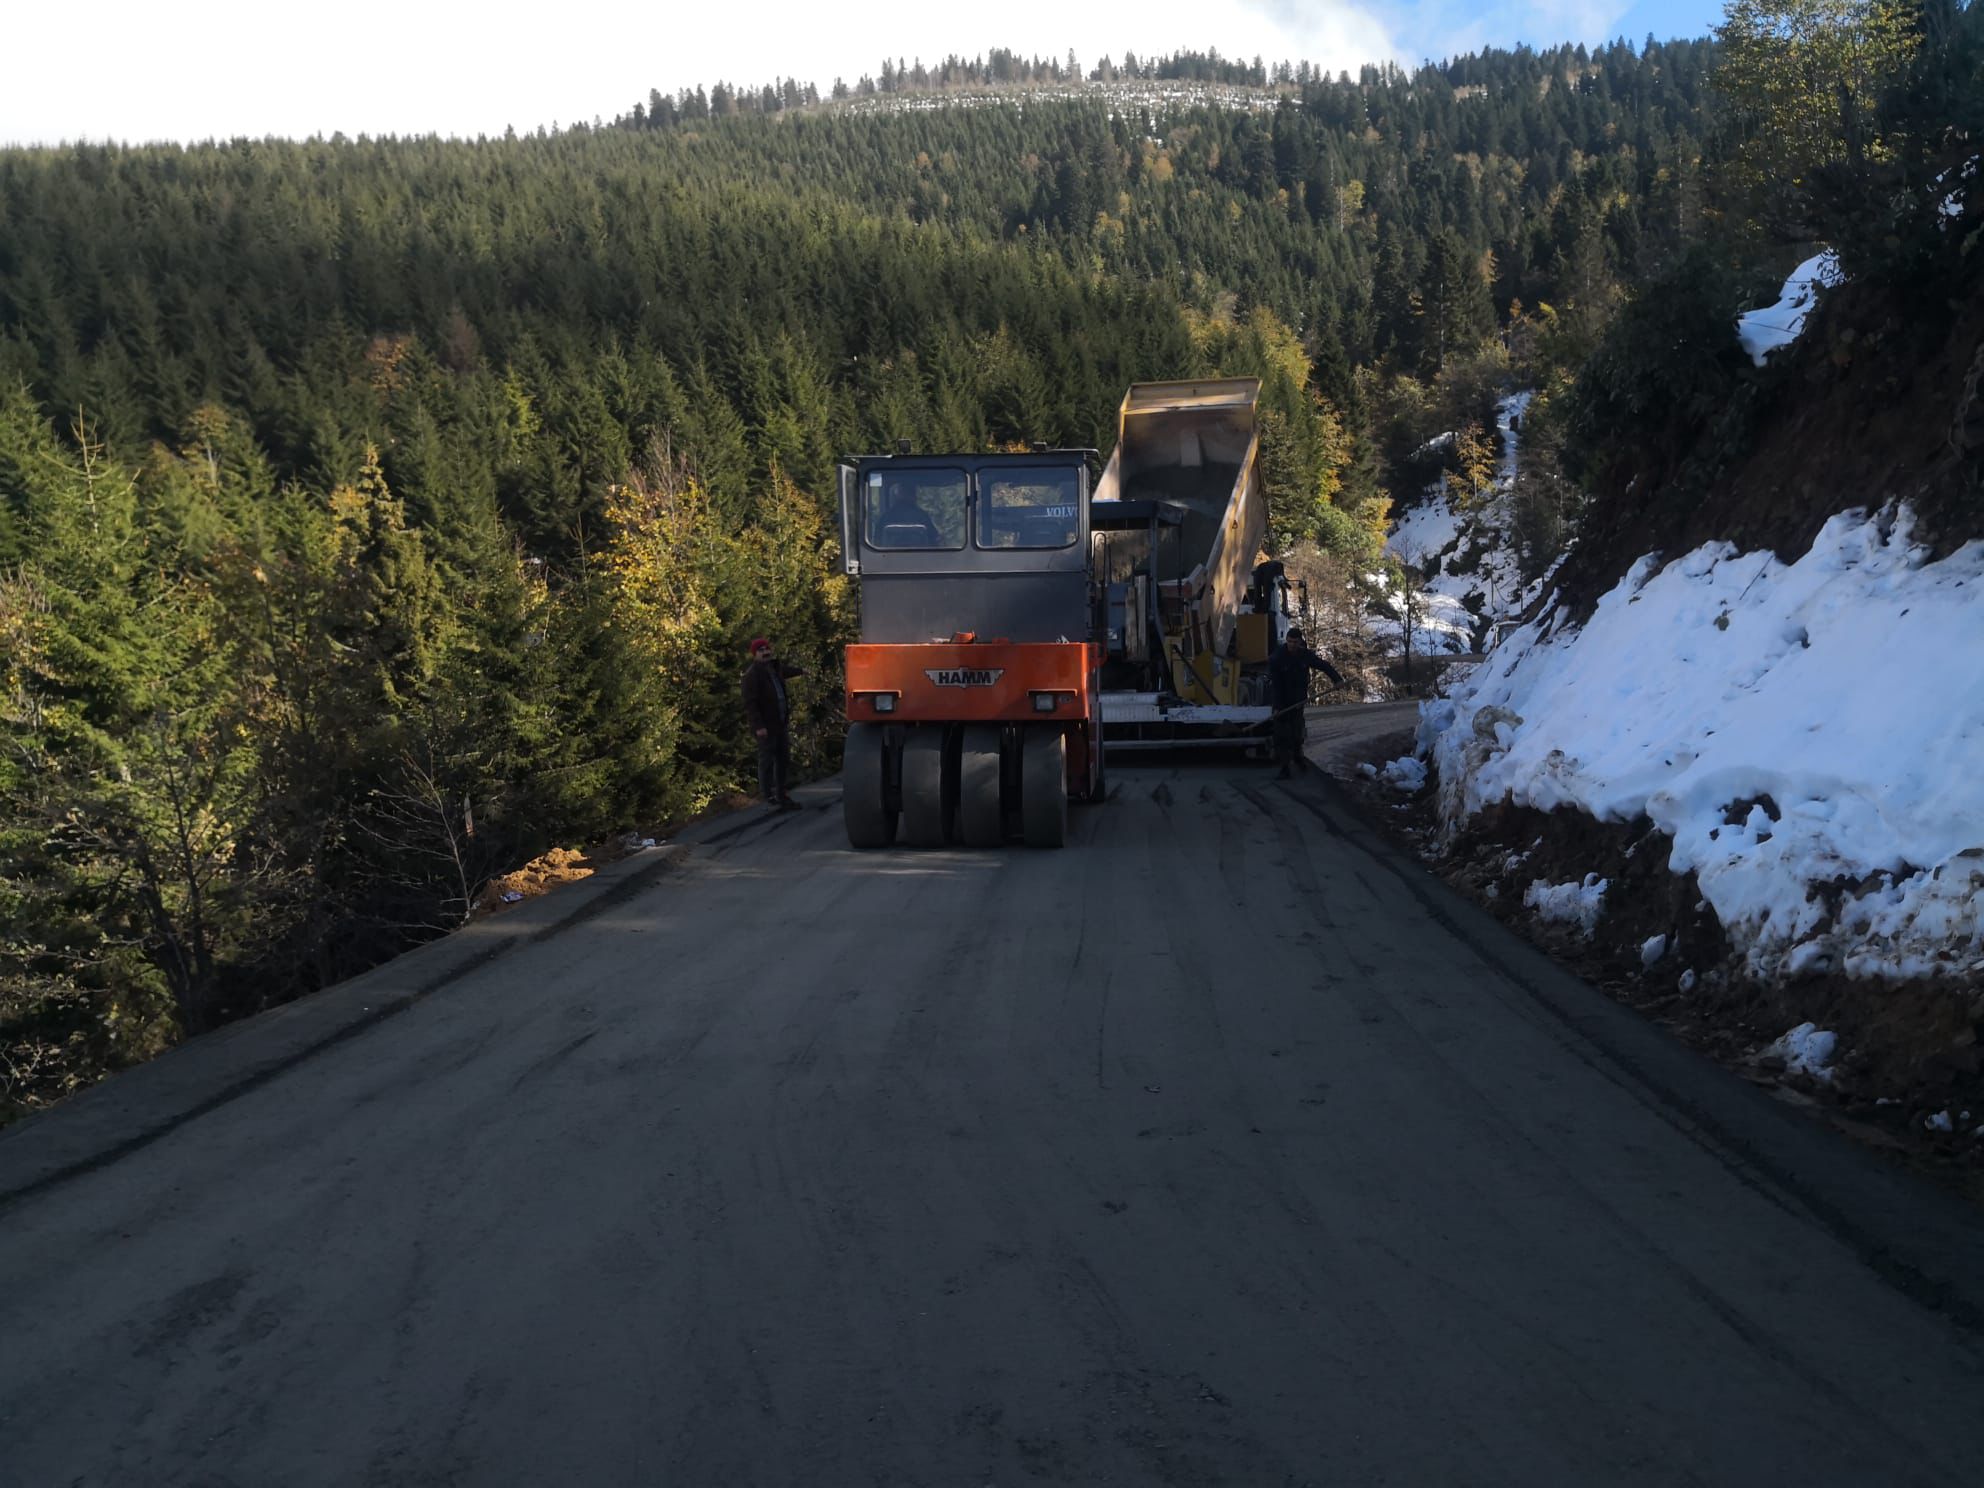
(376,514)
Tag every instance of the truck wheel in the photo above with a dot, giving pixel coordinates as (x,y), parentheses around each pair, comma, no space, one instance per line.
(1098,786)
(981,812)
(1044,787)
(926,803)
(864,793)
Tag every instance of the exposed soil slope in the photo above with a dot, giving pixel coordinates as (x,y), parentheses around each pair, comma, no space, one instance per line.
(1877,401)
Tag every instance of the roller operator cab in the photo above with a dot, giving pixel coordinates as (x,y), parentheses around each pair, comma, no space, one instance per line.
(973,694)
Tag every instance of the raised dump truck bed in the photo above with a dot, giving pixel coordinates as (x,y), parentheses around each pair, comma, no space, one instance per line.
(1178,519)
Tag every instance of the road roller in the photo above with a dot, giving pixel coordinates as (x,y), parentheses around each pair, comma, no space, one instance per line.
(972,694)
(1015,604)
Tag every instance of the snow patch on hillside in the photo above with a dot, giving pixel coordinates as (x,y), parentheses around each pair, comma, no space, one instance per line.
(1808,735)
(1479,576)
(1125,98)
(1952,203)
(1764,331)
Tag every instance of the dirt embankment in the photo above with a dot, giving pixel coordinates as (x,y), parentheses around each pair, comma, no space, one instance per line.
(1877,401)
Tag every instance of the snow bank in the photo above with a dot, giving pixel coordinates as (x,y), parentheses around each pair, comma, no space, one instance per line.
(1810,736)
(1763,331)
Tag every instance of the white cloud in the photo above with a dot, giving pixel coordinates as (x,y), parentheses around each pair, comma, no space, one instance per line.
(138,70)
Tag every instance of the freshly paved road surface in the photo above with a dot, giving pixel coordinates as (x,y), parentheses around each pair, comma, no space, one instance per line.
(1223,1147)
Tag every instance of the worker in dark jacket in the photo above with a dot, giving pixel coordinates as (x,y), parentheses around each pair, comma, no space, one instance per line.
(1288,682)
(768,711)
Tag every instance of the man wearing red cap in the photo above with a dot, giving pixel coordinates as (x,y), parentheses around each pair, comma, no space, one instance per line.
(767,710)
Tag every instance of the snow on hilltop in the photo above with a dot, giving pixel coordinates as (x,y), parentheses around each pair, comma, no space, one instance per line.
(1810,736)
(1131,96)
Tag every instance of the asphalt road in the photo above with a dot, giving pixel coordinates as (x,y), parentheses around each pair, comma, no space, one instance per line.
(1223,1147)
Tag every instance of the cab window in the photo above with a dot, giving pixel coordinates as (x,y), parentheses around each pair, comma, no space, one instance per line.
(912,509)
(1029,508)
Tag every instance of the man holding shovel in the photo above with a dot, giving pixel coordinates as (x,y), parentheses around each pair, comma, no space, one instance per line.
(1288,681)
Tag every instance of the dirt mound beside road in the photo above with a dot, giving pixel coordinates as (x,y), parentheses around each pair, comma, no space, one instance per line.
(562,865)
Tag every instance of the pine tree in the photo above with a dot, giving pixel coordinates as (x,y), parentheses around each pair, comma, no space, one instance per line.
(390,612)
(129,776)
(1395,306)
(1457,314)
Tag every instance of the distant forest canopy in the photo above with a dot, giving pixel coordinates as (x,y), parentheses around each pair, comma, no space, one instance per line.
(784,289)
(375,515)
(1000,68)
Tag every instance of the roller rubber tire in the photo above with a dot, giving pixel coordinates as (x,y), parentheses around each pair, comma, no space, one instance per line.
(1044,787)
(981,812)
(1098,788)
(864,793)
(925,812)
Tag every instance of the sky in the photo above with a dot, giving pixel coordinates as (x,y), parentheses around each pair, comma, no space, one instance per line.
(220,69)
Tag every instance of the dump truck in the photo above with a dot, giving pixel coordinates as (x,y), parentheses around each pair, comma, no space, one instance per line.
(1013,605)
(1179,518)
